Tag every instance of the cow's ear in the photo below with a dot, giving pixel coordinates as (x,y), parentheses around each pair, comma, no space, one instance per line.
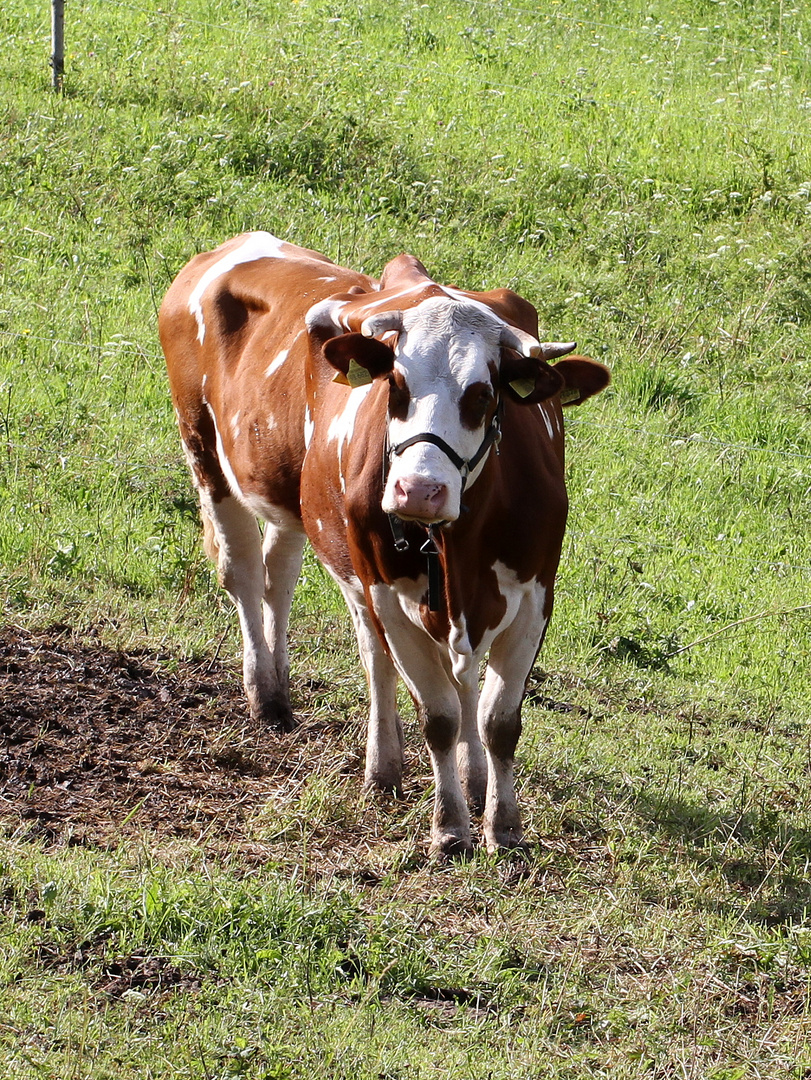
(357,359)
(583,378)
(529,379)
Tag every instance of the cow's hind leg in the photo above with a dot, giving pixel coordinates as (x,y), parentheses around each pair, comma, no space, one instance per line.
(233,540)
(470,756)
(282,550)
(384,733)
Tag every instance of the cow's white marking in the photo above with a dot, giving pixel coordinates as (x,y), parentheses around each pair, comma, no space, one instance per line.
(235,429)
(257,245)
(455,294)
(414,655)
(342,425)
(270,512)
(225,464)
(444,347)
(546,420)
(408,593)
(514,592)
(274,365)
(309,428)
(396,296)
(326,311)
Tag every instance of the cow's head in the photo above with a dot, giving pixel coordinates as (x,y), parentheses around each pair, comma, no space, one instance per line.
(449,362)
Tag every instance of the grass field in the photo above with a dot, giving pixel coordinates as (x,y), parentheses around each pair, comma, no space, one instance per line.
(642,173)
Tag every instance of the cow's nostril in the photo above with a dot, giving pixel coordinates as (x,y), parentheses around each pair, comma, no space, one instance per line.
(437,496)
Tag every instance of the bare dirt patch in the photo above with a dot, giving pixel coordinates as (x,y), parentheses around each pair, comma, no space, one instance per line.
(97,744)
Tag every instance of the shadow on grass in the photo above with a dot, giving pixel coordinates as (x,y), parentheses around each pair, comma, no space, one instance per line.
(758,852)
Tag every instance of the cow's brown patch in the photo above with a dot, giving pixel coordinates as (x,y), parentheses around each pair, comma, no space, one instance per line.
(439,731)
(399,396)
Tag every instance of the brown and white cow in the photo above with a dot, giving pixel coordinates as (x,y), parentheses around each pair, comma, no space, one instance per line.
(375,418)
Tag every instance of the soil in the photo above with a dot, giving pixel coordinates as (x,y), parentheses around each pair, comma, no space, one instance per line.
(96,744)
(99,745)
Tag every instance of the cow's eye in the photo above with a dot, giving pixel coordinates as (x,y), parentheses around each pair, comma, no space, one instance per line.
(476,400)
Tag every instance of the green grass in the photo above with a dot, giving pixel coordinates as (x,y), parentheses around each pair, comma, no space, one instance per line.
(642,173)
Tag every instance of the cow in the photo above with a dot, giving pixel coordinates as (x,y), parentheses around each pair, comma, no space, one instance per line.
(413,433)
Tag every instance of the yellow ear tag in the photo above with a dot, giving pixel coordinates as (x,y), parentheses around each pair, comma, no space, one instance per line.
(356,375)
(523,387)
(569,395)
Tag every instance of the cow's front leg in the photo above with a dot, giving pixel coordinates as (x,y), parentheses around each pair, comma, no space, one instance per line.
(232,539)
(470,756)
(511,658)
(423,667)
(450,830)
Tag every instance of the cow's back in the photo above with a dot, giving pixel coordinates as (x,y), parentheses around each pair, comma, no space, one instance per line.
(232,328)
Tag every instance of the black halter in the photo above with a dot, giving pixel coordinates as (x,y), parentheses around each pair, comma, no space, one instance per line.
(465,466)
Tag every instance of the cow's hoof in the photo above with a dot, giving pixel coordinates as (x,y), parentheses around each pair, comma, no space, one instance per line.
(275,715)
(448,847)
(506,841)
(384,784)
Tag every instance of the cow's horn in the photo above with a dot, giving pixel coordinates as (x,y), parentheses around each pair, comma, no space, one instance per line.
(519,340)
(381,323)
(551,350)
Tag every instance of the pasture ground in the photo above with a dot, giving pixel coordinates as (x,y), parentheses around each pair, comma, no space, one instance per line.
(182,895)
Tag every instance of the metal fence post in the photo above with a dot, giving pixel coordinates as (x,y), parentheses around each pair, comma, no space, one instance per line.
(58,42)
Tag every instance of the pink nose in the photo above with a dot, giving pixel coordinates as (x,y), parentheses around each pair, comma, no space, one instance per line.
(418,498)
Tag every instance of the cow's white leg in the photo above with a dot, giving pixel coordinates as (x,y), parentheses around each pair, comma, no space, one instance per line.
(384,733)
(470,756)
(425,671)
(232,539)
(282,550)
(511,658)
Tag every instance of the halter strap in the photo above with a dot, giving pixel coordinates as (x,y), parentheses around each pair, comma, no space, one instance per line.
(465,466)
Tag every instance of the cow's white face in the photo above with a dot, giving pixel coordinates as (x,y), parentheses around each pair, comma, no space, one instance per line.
(446,360)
